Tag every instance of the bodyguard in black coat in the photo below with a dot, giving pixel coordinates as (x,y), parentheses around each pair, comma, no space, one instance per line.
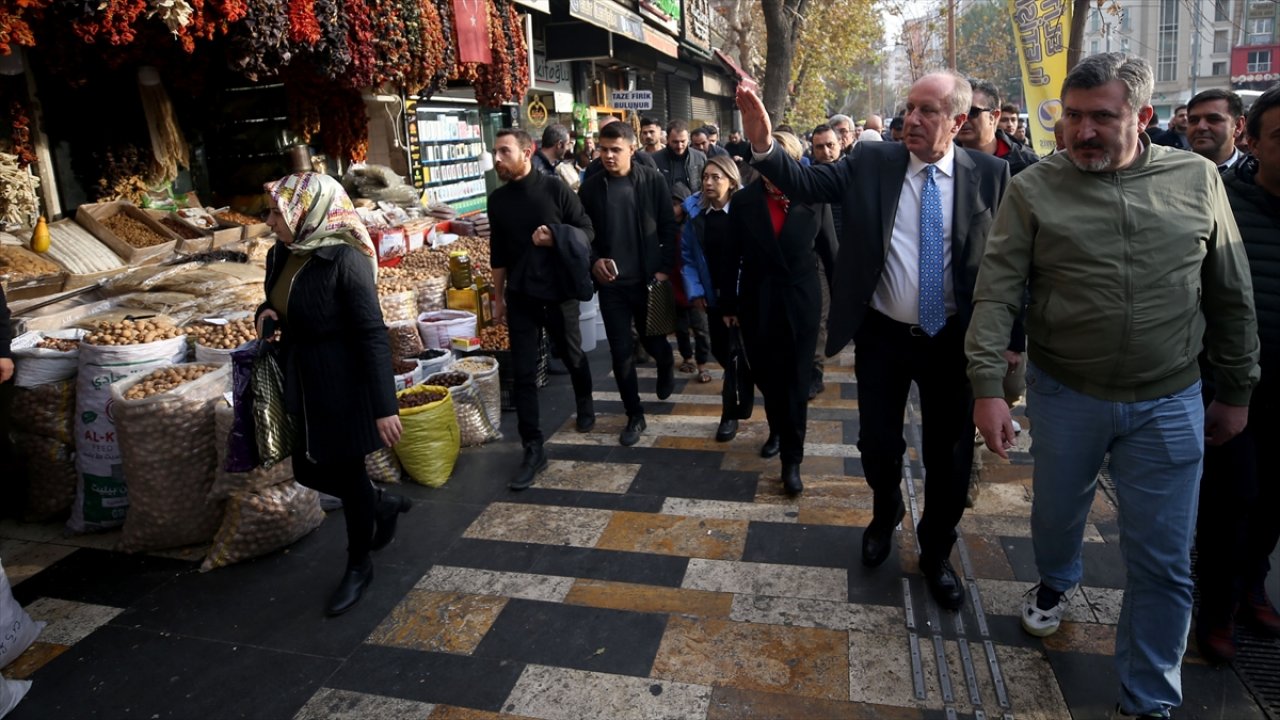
(333,349)
(778,302)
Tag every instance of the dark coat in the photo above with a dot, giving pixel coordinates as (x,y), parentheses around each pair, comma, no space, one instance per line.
(1020,156)
(867,182)
(694,161)
(776,270)
(335,353)
(1257,215)
(658,226)
(6,332)
(573,250)
(1170,138)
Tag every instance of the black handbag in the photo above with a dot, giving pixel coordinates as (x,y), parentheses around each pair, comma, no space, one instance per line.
(740,388)
(660,320)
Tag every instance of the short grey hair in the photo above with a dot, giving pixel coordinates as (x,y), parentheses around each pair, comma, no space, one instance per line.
(837,119)
(961,97)
(1098,70)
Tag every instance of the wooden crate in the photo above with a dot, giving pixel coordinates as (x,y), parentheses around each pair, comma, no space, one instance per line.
(91,217)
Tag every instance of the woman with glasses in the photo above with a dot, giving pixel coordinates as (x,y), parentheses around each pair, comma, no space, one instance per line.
(778,303)
(710,272)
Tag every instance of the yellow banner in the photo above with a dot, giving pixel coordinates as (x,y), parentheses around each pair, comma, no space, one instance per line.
(1040,30)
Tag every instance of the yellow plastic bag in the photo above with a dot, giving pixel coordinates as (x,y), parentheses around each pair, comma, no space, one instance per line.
(429,442)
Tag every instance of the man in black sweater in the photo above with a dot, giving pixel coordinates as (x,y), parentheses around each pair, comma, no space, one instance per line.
(7,459)
(630,207)
(539,234)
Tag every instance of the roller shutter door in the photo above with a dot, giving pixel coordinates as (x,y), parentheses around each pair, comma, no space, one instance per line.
(704,111)
(679,106)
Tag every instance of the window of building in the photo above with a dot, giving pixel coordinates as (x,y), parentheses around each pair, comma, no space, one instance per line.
(1095,19)
(1220,68)
(1220,13)
(1258,31)
(1093,47)
(1167,42)
(1259,61)
(1124,45)
(1124,19)
(1220,41)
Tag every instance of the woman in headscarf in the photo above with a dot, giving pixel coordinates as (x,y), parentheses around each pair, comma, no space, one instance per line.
(322,310)
(710,273)
(778,305)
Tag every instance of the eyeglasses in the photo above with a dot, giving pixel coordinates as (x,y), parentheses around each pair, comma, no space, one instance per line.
(975,110)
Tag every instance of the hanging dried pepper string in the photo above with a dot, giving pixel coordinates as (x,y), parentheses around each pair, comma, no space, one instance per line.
(332,54)
(346,126)
(15,23)
(259,43)
(361,42)
(304,27)
(20,121)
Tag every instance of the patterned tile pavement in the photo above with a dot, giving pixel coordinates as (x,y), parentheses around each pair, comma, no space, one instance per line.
(668,580)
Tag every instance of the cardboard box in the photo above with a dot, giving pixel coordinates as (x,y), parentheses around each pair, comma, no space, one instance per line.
(473,299)
(465,344)
(90,217)
(415,234)
(186,246)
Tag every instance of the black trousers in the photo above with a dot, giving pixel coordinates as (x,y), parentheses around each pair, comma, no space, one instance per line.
(571,349)
(783,371)
(526,316)
(691,318)
(1239,520)
(719,333)
(890,356)
(622,306)
(347,481)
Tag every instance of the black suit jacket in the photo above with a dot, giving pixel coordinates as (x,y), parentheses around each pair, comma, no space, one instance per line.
(776,269)
(867,182)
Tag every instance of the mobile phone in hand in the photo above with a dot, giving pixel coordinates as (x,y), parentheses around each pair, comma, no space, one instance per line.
(269,327)
(612,266)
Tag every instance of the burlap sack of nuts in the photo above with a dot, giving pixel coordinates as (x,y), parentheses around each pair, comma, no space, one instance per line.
(46,410)
(263,521)
(474,426)
(225,484)
(166,427)
(51,475)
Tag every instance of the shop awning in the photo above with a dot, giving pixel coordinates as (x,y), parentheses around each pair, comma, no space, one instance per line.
(619,20)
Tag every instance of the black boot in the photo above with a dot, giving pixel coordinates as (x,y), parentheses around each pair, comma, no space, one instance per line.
(535,461)
(877,539)
(388,512)
(586,415)
(630,435)
(771,446)
(815,384)
(351,589)
(791,484)
(726,430)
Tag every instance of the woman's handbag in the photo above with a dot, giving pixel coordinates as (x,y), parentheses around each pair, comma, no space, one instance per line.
(660,320)
(738,382)
(273,425)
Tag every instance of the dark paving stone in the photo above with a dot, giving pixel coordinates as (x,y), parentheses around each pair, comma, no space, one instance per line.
(683,460)
(848,391)
(706,484)
(480,475)
(1090,686)
(475,682)
(874,586)
(102,578)
(649,401)
(795,544)
(595,639)
(121,673)
(275,602)
(583,453)
(853,467)
(615,565)
(1103,564)
(611,501)
(492,555)
(541,496)
(849,432)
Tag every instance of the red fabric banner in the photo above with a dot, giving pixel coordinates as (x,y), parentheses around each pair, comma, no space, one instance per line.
(471,18)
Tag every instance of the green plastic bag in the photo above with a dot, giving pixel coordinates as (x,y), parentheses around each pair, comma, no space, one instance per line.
(429,440)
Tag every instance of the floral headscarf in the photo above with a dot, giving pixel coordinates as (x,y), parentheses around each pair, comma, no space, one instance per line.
(320,213)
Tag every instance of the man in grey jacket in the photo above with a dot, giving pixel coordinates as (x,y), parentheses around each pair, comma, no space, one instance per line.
(1125,283)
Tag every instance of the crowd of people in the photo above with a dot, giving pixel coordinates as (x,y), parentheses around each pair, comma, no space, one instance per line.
(1129,289)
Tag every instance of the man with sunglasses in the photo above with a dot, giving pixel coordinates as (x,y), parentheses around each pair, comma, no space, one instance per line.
(981,131)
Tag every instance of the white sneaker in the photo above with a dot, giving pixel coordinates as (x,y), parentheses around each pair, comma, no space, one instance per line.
(1017,428)
(1044,622)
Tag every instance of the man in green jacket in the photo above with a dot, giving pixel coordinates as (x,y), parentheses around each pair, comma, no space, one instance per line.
(1128,281)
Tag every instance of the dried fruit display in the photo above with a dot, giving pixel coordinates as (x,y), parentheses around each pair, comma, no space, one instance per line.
(21,137)
(331,52)
(361,41)
(304,26)
(124,171)
(183,230)
(18,200)
(59,344)
(134,232)
(506,79)
(422,397)
(258,45)
(131,332)
(495,337)
(15,23)
(114,20)
(18,264)
(166,379)
(346,132)
(232,217)
(223,337)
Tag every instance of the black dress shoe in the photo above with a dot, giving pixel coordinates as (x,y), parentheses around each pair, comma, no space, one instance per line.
(586,414)
(351,589)
(666,381)
(944,584)
(771,446)
(726,430)
(388,511)
(631,433)
(877,539)
(816,386)
(791,484)
(535,461)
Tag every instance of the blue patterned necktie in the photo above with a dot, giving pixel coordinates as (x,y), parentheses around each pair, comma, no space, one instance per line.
(933,309)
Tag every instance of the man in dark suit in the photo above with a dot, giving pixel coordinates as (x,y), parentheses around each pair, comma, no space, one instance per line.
(916,217)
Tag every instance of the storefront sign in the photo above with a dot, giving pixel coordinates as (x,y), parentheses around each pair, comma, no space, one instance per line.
(697,25)
(631,99)
(715,85)
(609,15)
(551,75)
(536,114)
(661,42)
(542,6)
(663,13)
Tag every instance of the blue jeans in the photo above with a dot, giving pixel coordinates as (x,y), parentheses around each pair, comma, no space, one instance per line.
(1156,447)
